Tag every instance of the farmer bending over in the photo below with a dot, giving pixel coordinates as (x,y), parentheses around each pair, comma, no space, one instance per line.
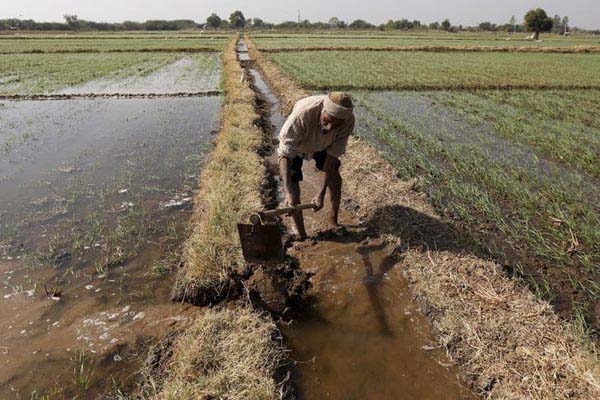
(317,128)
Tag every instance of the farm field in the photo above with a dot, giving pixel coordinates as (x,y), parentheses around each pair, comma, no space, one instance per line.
(33,74)
(519,169)
(431,70)
(478,159)
(266,41)
(96,197)
(470,217)
(512,172)
(15,45)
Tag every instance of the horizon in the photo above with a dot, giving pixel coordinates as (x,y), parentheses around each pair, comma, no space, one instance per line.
(584,14)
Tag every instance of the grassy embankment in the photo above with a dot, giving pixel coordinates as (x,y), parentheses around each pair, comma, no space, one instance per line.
(31,74)
(506,342)
(225,353)
(431,70)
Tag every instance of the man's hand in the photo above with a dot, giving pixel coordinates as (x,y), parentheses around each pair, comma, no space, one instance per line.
(318,201)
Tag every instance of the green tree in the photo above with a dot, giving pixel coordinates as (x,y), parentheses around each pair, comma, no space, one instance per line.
(258,23)
(537,21)
(360,24)
(213,21)
(237,20)
(72,21)
(334,22)
(446,24)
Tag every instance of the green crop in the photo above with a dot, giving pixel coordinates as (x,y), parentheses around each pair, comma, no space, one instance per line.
(44,73)
(536,212)
(423,70)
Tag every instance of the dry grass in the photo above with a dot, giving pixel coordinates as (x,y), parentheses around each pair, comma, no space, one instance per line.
(227,354)
(507,343)
(445,49)
(229,189)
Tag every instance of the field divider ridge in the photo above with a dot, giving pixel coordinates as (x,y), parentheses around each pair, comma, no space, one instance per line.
(242,346)
(506,342)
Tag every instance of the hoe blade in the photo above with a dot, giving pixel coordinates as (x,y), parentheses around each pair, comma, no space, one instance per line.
(261,244)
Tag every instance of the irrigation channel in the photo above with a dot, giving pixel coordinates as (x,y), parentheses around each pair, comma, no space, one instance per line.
(95,197)
(360,335)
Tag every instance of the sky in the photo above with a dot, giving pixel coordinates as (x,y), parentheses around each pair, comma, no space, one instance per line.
(582,13)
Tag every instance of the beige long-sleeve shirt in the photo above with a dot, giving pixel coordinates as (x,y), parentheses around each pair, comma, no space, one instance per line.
(301,134)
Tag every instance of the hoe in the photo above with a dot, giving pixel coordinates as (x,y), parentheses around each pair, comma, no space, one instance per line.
(261,241)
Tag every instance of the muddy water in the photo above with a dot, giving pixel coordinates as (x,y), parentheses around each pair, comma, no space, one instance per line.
(94,199)
(361,337)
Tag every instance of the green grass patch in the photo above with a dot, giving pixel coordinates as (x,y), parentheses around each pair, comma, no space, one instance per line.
(422,70)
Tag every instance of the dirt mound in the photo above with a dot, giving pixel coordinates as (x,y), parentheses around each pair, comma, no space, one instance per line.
(279,289)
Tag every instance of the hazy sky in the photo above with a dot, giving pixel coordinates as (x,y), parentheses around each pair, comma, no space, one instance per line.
(582,13)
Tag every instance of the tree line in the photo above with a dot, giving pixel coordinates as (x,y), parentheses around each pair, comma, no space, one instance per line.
(536,21)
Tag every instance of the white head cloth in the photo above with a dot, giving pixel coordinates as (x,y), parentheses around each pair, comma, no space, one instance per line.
(335,110)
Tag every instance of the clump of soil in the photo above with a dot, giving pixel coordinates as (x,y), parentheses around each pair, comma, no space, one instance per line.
(277,289)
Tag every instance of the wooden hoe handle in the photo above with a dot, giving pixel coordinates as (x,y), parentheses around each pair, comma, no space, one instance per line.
(263,215)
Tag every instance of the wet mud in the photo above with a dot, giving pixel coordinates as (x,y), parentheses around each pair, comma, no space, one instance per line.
(95,198)
(359,335)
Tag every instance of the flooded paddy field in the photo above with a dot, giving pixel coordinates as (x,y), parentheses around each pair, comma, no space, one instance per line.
(190,74)
(525,182)
(38,74)
(95,195)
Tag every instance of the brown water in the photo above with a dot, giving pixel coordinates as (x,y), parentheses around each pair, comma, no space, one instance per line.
(95,197)
(362,336)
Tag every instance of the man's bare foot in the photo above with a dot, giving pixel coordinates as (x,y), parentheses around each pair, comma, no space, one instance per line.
(333,221)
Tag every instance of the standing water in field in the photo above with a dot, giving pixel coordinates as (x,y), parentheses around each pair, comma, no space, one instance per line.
(361,336)
(193,73)
(95,196)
